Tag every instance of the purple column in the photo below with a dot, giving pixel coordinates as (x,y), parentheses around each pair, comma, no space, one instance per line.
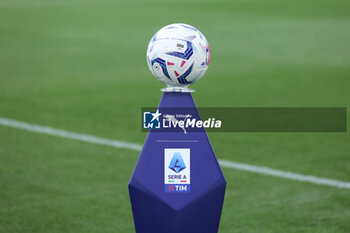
(177,184)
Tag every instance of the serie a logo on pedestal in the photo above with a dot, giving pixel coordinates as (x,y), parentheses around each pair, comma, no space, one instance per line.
(177,170)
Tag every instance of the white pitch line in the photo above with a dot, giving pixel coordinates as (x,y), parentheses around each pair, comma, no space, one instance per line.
(66,134)
(284,174)
(137,147)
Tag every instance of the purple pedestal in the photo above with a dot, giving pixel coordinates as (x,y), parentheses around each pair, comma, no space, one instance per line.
(177,184)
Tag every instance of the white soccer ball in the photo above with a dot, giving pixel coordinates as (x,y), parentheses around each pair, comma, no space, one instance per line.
(178,55)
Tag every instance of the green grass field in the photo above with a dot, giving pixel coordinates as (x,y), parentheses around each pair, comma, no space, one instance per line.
(80,66)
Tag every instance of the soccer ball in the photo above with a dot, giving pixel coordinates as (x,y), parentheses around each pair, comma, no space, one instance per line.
(178,55)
